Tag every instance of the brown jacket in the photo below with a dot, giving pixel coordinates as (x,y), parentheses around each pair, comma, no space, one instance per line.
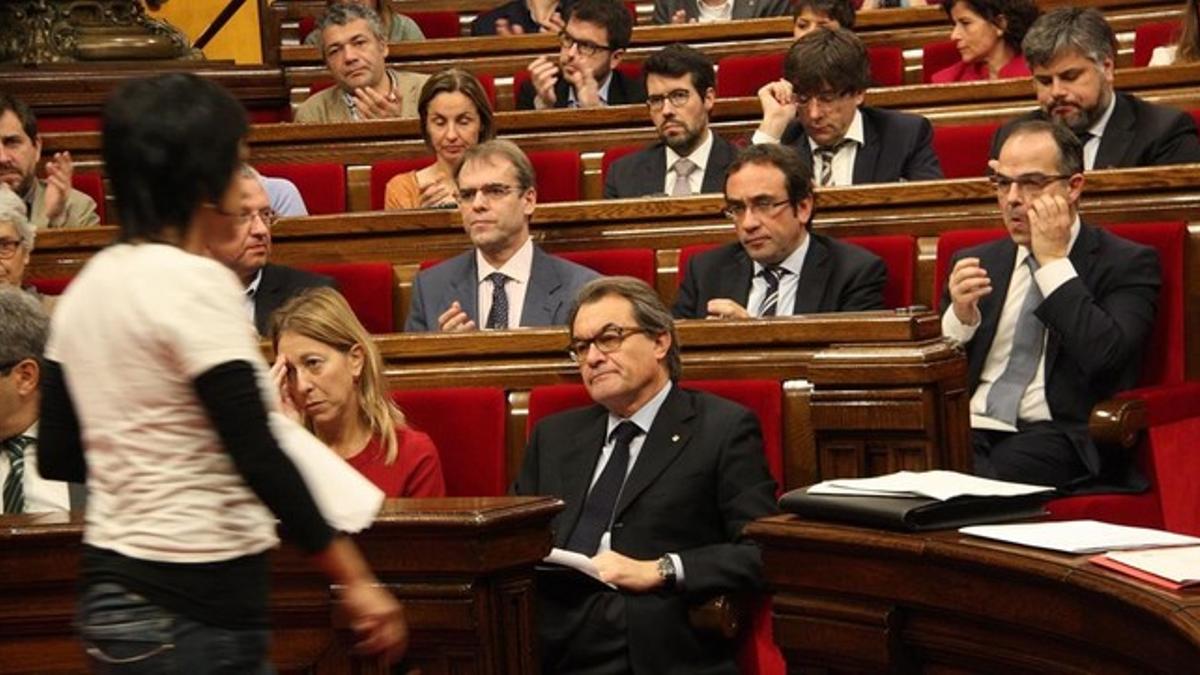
(329,105)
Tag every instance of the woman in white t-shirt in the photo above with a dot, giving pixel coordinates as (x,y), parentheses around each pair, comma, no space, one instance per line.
(155,390)
(1187,49)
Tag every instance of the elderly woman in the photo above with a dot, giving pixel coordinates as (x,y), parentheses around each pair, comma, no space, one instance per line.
(330,378)
(455,115)
(396,27)
(1187,49)
(988,35)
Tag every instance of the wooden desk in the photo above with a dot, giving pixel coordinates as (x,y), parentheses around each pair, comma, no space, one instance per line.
(859,600)
(463,568)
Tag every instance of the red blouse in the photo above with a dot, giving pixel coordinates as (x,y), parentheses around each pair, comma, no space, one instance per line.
(417,471)
(971,72)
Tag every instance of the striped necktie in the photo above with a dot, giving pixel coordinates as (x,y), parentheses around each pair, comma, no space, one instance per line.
(770,302)
(14,484)
(826,153)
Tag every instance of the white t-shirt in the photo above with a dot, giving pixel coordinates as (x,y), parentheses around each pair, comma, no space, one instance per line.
(132,332)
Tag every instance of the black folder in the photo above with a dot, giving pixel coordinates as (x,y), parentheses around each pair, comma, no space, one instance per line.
(913,513)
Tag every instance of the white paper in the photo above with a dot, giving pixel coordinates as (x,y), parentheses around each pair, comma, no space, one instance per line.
(940,485)
(1180,564)
(348,501)
(576,561)
(1079,536)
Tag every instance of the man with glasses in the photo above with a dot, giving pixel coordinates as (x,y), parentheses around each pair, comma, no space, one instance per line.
(505,281)
(689,158)
(817,109)
(658,482)
(247,253)
(1072,52)
(583,74)
(777,267)
(1053,318)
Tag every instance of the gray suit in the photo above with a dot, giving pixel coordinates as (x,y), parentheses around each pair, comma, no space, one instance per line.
(553,284)
(742,9)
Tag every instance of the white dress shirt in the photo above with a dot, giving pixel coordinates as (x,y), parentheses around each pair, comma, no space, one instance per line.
(251,291)
(41,495)
(711,13)
(517,269)
(699,157)
(1092,147)
(843,159)
(788,283)
(1033,406)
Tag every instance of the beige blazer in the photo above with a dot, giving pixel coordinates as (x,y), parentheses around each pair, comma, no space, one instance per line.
(79,211)
(329,105)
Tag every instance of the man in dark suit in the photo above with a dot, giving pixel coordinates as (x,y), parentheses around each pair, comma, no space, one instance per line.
(658,483)
(689,157)
(584,74)
(817,109)
(1071,51)
(692,11)
(505,281)
(1053,318)
(248,251)
(777,267)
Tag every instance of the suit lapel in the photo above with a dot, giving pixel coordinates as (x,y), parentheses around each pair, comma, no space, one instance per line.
(579,463)
(1118,135)
(666,437)
(736,284)
(654,172)
(1082,256)
(267,298)
(868,154)
(541,298)
(720,157)
(464,287)
(814,276)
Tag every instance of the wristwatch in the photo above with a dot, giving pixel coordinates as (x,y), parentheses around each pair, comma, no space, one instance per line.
(666,571)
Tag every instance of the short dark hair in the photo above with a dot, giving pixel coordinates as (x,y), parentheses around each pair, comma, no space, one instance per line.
(796,172)
(611,14)
(649,311)
(841,11)
(825,58)
(24,113)
(1018,15)
(170,143)
(1084,30)
(1070,149)
(677,60)
(449,81)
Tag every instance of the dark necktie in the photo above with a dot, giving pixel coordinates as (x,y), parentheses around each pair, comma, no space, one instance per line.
(598,510)
(770,301)
(1004,398)
(826,154)
(14,484)
(498,316)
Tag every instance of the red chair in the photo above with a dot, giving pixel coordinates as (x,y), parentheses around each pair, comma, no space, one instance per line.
(745,75)
(92,184)
(963,149)
(613,154)
(321,184)
(1148,36)
(937,56)
(50,124)
(270,115)
(612,262)
(631,71)
(887,66)
(307,24)
(50,285)
(437,25)
(474,457)
(899,254)
(369,288)
(685,254)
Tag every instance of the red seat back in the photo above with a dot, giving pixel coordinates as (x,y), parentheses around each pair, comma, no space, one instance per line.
(963,149)
(1166,350)
(369,288)
(321,184)
(685,254)
(612,262)
(91,184)
(307,24)
(937,56)
(745,75)
(899,254)
(613,154)
(1148,36)
(887,66)
(436,25)
(50,124)
(275,115)
(473,456)
(50,285)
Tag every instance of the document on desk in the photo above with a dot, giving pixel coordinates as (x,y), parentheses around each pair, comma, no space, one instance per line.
(1079,536)
(576,561)
(940,485)
(1175,568)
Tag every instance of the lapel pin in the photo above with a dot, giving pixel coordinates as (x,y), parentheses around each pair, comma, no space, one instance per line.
(675,438)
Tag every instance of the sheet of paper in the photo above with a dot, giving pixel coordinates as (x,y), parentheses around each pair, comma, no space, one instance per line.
(348,501)
(576,561)
(1079,536)
(940,485)
(1180,564)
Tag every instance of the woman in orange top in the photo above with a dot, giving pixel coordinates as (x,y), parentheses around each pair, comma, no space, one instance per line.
(988,35)
(330,378)
(455,115)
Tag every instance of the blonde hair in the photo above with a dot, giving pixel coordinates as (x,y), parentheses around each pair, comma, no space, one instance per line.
(322,314)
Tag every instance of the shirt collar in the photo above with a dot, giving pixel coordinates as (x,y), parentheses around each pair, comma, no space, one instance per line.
(516,268)
(853,133)
(699,156)
(645,415)
(252,287)
(1097,129)
(793,263)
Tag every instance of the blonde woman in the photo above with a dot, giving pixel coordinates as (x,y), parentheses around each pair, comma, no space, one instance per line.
(330,378)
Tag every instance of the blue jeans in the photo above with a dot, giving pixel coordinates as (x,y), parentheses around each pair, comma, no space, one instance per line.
(124,633)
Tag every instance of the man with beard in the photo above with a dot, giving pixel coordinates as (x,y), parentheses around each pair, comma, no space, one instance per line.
(689,158)
(1070,51)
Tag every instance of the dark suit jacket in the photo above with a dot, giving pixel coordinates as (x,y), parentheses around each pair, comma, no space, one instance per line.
(1137,134)
(279,284)
(699,479)
(517,14)
(742,9)
(553,284)
(1097,324)
(645,172)
(896,146)
(836,277)
(621,90)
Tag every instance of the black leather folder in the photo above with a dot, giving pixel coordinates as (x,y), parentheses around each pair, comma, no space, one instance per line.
(913,513)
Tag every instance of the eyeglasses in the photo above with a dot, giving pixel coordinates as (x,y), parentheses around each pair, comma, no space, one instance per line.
(608,341)
(585,47)
(490,191)
(824,99)
(8,247)
(267,216)
(762,207)
(1026,182)
(677,97)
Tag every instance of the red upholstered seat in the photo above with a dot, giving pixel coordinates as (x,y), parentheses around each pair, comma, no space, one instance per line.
(887,66)
(745,75)
(899,254)
(613,154)
(322,184)
(50,285)
(437,25)
(307,24)
(612,262)
(473,456)
(963,149)
(275,115)
(558,173)
(369,288)
(685,254)
(937,56)
(50,124)
(91,184)
(1148,36)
